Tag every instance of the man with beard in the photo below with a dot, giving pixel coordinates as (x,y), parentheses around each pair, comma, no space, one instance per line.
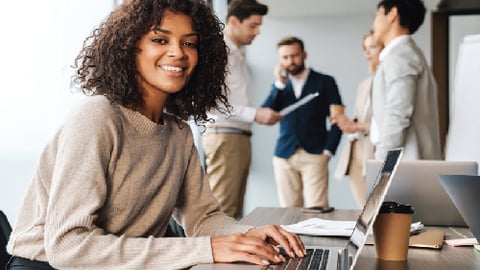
(304,145)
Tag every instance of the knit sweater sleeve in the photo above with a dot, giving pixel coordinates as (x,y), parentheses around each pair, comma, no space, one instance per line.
(197,209)
(78,192)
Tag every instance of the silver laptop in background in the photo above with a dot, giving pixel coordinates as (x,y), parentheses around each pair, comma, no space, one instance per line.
(464,191)
(340,258)
(417,183)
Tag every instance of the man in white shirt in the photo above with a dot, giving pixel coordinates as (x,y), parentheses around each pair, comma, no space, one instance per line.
(404,93)
(226,142)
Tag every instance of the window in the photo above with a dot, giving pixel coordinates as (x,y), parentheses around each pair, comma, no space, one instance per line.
(39,44)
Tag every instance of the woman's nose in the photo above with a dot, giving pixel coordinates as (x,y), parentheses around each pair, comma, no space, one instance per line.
(175,50)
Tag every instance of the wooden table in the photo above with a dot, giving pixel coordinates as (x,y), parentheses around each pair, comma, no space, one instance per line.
(448,258)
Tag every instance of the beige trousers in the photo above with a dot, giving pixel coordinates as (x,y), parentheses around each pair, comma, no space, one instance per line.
(227,158)
(356,173)
(302,179)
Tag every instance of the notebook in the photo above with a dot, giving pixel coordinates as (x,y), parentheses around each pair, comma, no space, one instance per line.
(430,238)
(417,183)
(339,258)
(464,190)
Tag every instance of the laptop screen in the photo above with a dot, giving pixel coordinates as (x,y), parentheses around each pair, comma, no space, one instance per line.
(374,202)
(463,190)
(426,194)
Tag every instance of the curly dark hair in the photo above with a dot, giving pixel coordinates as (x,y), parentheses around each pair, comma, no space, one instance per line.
(106,64)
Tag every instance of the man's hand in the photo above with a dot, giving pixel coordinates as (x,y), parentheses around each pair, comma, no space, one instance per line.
(267,116)
(280,74)
(257,246)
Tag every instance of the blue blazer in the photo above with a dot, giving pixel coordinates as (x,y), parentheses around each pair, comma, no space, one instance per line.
(306,127)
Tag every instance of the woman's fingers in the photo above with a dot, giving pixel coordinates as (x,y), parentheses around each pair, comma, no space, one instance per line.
(295,242)
(240,247)
(274,234)
(257,246)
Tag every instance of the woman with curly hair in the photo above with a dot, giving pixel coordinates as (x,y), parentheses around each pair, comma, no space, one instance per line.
(124,160)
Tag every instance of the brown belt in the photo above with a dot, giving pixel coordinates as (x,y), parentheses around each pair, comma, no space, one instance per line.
(228,131)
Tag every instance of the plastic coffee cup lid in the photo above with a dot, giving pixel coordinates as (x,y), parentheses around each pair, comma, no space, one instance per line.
(393,207)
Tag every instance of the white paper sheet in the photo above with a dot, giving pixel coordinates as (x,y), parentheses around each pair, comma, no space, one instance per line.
(462,242)
(321,227)
(297,104)
(326,227)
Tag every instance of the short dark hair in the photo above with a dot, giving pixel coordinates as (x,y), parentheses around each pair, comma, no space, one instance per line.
(243,9)
(411,12)
(290,41)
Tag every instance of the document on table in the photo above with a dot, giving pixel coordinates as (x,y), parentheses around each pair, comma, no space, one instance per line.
(321,227)
(296,105)
(326,227)
(462,242)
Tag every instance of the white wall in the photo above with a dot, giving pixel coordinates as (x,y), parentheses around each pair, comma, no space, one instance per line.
(463,135)
(460,26)
(40,40)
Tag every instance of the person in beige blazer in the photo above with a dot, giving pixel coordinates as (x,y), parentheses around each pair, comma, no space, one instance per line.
(358,148)
(404,93)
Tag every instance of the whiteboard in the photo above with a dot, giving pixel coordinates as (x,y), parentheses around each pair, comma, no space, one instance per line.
(463,141)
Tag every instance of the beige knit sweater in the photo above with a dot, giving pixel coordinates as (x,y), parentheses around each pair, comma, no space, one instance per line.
(105,188)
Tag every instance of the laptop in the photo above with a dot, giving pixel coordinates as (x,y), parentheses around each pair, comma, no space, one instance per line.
(464,191)
(417,183)
(335,258)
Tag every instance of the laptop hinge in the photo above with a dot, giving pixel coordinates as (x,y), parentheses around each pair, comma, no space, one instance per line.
(343,262)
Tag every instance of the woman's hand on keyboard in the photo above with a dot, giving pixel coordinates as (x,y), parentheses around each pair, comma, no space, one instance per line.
(257,246)
(240,247)
(275,235)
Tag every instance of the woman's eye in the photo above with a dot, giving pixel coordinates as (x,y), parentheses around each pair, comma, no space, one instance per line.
(191,44)
(159,40)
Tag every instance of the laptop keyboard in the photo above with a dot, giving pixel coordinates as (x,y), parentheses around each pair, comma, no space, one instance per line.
(315,259)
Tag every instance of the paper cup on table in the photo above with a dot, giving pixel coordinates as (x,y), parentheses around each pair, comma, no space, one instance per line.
(391,231)
(335,110)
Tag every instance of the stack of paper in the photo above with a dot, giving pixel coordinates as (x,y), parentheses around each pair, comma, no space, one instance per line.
(326,227)
(319,227)
(416,227)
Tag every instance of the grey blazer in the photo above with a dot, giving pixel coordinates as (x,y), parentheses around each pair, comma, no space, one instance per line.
(404,104)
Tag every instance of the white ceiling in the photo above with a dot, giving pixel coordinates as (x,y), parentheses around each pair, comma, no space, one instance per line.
(292,8)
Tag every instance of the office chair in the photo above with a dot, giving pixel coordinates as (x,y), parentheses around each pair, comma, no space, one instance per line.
(174,229)
(5,230)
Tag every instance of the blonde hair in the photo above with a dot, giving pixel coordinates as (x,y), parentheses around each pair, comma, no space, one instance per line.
(372,66)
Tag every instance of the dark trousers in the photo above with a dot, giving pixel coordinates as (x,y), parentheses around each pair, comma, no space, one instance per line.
(18,263)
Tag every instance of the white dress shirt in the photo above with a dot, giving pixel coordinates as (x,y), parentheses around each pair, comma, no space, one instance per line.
(374,128)
(238,80)
(297,84)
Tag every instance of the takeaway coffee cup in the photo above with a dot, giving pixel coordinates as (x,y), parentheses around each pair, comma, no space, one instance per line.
(391,231)
(335,110)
